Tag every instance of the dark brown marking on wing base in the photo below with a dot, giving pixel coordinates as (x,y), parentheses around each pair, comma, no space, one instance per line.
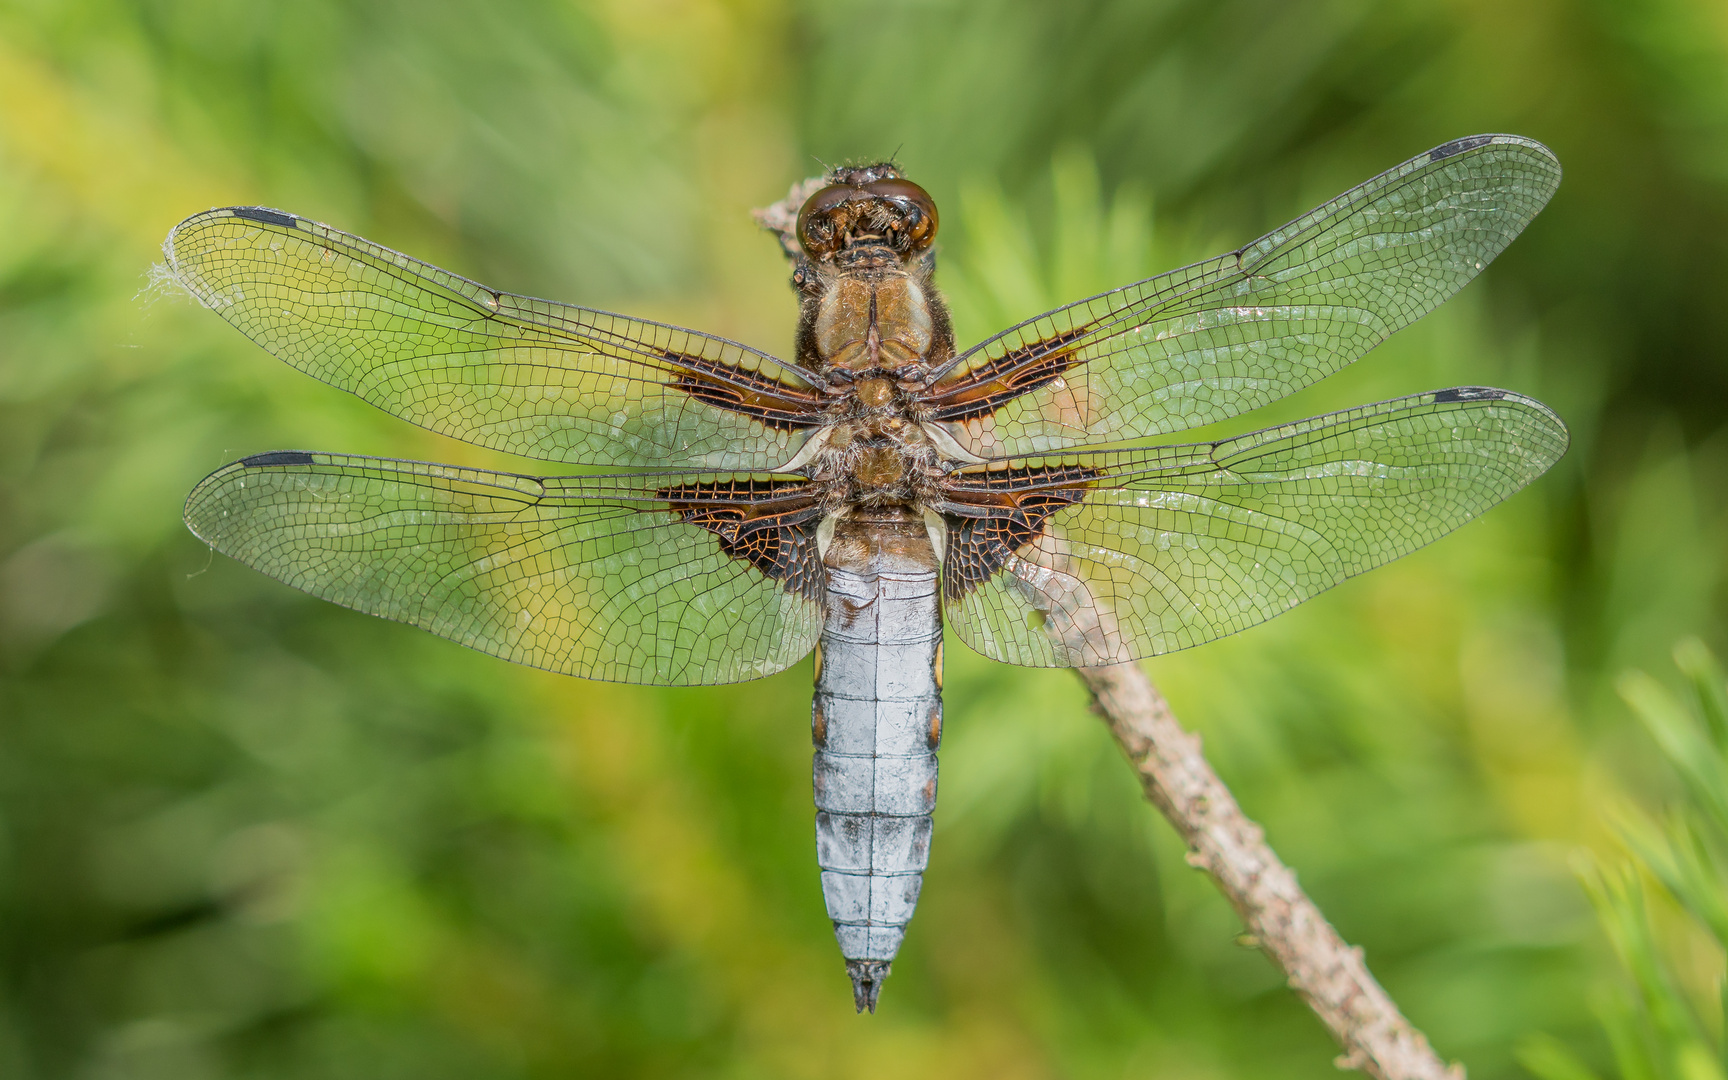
(770,524)
(993,514)
(1018,371)
(758,396)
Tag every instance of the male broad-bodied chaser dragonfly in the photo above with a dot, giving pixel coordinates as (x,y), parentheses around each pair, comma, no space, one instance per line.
(882,483)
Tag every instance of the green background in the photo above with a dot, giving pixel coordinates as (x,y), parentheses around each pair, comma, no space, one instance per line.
(247,834)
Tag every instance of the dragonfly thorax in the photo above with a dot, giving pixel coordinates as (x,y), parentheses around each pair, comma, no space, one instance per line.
(876,320)
(876,461)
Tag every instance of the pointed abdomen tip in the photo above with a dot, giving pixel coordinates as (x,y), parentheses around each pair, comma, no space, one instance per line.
(867,976)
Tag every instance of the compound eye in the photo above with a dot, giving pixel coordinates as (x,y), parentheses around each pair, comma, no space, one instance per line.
(916,201)
(815,225)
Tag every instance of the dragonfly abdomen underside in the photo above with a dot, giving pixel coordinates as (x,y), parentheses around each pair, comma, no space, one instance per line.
(876,722)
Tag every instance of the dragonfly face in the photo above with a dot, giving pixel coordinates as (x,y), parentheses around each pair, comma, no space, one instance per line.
(882,483)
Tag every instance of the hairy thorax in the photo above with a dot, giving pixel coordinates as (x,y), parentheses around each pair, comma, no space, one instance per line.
(875,325)
(873,316)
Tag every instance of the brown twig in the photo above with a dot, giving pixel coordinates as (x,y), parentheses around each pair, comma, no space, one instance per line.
(781,218)
(1329,974)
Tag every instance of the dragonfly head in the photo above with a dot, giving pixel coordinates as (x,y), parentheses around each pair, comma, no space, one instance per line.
(867,206)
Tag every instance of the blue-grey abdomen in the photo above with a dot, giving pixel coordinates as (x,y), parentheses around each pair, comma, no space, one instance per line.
(876,722)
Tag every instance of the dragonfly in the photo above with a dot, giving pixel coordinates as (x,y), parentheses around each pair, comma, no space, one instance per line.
(882,484)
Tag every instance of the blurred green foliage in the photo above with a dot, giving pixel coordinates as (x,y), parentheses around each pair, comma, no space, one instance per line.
(243,833)
(1665,1018)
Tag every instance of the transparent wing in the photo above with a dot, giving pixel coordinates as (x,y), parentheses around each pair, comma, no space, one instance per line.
(672,579)
(1218,338)
(1100,558)
(530,377)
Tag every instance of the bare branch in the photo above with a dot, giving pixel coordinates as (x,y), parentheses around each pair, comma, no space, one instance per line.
(1330,975)
(781,218)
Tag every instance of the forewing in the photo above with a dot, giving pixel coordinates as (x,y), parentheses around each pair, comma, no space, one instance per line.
(527,376)
(672,579)
(1101,558)
(1218,338)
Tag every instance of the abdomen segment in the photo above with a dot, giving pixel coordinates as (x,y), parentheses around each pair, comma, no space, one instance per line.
(876,722)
